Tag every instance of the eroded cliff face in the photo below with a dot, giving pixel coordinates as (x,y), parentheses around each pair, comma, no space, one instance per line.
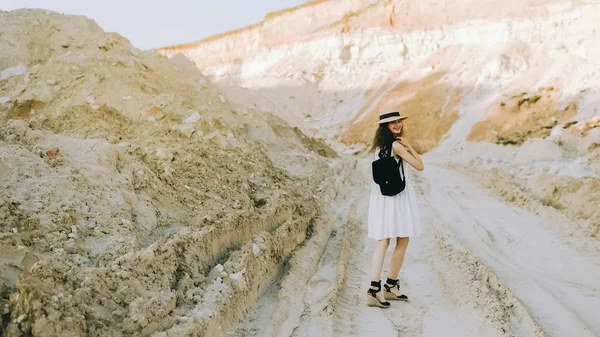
(330,67)
(129,186)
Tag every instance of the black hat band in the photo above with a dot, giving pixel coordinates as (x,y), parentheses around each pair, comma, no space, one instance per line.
(388,115)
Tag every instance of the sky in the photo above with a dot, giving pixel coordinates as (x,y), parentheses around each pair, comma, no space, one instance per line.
(158,23)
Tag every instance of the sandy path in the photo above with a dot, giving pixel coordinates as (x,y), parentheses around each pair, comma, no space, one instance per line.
(482,268)
(558,283)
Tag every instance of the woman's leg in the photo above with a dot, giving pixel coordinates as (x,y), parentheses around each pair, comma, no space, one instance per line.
(377,262)
(397,260)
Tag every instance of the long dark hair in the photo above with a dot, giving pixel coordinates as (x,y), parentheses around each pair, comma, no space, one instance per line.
(384,137)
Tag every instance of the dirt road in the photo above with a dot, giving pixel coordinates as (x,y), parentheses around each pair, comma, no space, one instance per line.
(482,268)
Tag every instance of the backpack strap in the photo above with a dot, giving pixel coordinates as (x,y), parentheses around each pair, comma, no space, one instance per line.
(399,161)
(389,154)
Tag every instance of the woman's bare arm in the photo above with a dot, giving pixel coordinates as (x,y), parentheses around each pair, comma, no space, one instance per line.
(404,153)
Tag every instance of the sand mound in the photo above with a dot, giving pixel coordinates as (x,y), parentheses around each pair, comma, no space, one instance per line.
(524,116)
(129,177)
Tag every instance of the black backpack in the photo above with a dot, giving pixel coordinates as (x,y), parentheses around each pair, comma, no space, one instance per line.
(386,173)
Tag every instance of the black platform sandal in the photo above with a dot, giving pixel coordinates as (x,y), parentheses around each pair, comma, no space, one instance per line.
(372,300)
(389,295)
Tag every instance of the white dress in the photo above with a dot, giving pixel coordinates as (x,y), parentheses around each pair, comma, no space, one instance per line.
(395,216)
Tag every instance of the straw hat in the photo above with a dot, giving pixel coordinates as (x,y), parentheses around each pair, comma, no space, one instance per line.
(390,117)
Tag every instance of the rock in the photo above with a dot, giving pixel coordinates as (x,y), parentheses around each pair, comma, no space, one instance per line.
(222,98)
(151,119)
(10,72)
(126,98)
(21,318)
(404,50)
(4,100)
(51,81)
(185,129)
(193,118)
(255,249)
(238,279)
(151,328)
(90,99)
(28,260)
(160,334)
(164,154)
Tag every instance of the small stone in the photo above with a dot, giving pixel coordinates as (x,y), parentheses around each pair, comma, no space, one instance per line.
(21,318)
(51,153)
(193,118)
(163,154)
(10,72)
(95,107)
(4,100)
(126,98)
(125,222)
(255,249)
(223,274)
(14,230)
(51,81)
(185,129)
(90,100)
(222,98)
(72,235)
(238,279)
(143,321)
(151,119)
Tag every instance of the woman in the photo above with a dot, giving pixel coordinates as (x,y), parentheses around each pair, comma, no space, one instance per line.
(392,217)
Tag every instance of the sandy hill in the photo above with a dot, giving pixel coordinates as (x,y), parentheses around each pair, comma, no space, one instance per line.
(128,175)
